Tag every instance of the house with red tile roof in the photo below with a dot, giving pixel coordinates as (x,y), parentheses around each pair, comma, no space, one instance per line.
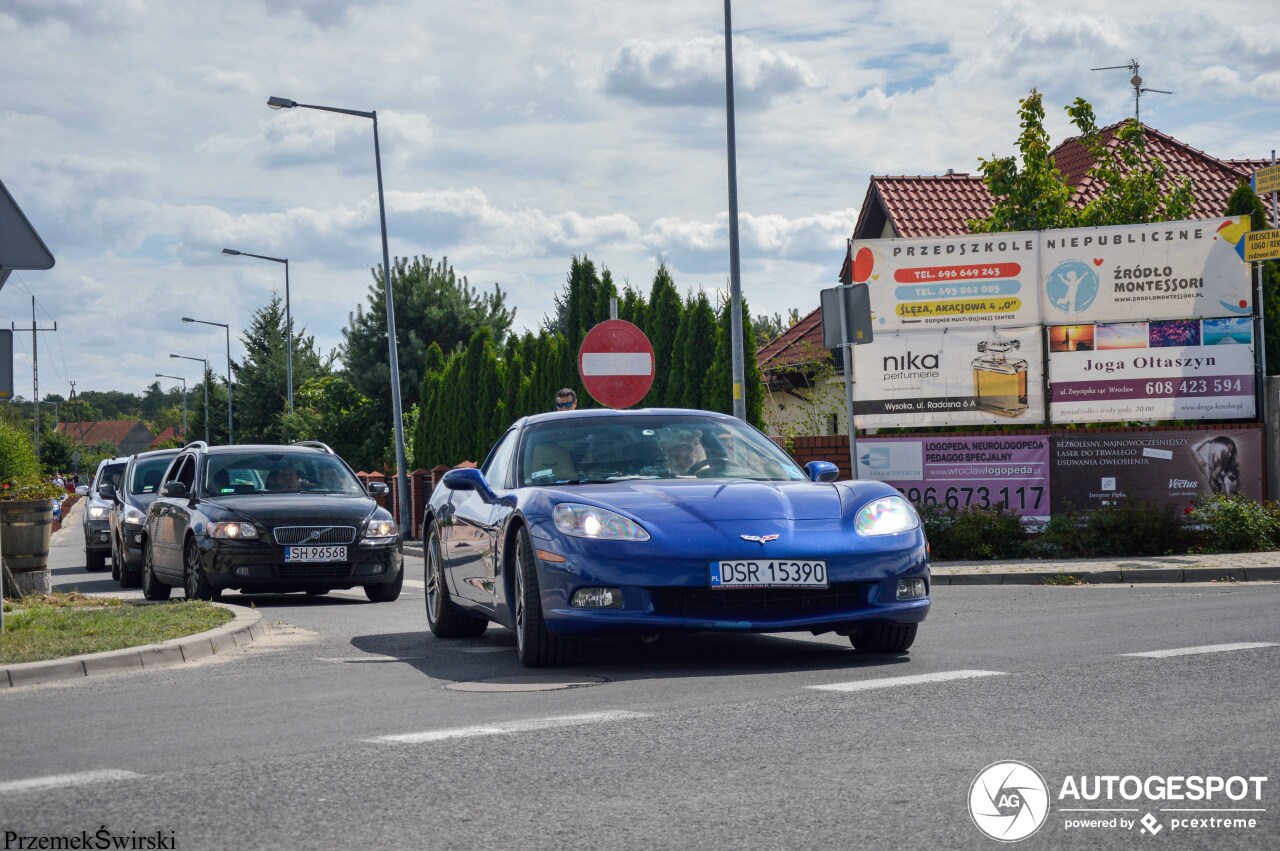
(167,437)
(128,436)
(943,205)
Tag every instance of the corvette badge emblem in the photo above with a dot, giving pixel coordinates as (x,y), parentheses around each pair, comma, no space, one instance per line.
(759,539)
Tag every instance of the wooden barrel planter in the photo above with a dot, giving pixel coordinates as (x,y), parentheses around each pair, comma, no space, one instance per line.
(25,528)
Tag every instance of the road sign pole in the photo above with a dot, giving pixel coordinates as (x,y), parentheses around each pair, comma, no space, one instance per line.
(848,383)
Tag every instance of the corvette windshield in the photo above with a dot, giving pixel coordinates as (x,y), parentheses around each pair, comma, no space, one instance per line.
(608,449)
(278,472)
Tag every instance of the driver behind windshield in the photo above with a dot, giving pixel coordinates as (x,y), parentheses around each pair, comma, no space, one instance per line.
(684,450)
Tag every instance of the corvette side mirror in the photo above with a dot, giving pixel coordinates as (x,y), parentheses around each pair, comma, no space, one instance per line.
(822,471)
(471,479)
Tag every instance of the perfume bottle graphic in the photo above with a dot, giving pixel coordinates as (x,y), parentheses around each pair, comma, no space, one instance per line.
(1000,382)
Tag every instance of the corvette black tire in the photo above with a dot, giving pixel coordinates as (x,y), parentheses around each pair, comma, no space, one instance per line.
(536,647)
(884,638)
(444,618)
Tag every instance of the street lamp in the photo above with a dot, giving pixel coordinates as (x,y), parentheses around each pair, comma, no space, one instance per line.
(288,321)
(736,354)
(184,401)
(402,473)
(204,361)
(227,328)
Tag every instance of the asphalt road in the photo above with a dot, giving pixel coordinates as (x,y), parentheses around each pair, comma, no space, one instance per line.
(341,730)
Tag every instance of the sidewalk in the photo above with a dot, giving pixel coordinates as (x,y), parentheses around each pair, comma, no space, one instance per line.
(1229,567)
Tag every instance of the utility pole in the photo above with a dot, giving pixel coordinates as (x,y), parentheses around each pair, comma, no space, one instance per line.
(35,372)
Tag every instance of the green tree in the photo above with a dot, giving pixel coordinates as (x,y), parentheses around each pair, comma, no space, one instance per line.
(1034,195)
(432,305)
(327,408)
(261,394)
(662,321)
(699,351)
(718,386)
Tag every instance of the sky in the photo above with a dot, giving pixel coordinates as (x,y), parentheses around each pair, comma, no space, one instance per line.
(516,134)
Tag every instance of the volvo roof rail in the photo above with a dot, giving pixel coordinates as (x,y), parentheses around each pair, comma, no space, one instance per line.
(196,444)
(314,444)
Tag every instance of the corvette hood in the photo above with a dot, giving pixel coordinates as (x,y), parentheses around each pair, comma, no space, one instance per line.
(709,502)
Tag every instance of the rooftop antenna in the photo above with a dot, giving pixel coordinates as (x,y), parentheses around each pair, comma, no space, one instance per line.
(1136,82)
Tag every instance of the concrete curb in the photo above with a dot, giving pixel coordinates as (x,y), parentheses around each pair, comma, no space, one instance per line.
(246,628)
(1106,573)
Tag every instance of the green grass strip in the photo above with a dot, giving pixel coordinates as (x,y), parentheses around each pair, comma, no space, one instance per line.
(41,631)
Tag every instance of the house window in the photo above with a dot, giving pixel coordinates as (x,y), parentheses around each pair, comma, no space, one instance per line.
(833,425)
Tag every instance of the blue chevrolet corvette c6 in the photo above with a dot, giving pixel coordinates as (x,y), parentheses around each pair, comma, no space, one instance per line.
(662,521)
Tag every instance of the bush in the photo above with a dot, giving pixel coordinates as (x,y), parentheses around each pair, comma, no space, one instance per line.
(1236,523)
(17,454)
(973,533)
(1128,527)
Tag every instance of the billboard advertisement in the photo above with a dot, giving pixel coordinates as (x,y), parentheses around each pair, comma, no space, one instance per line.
(1090,470)
(1183,369)
(960,472)
(923,379)
(1132,273)
(954,281)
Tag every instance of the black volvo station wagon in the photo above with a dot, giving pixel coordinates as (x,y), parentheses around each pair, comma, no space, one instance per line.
(268,519)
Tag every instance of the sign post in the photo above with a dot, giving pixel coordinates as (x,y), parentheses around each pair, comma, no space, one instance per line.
(616,363)
(846,322)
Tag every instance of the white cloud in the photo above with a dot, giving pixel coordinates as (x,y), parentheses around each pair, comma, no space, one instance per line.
(691,73)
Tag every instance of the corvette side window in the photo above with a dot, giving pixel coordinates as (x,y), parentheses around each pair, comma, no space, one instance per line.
(497,468)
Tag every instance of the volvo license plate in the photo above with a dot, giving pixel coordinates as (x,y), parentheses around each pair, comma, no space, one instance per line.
(315,553)
(768,573)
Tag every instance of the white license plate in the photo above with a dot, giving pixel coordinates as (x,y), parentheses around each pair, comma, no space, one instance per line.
(315,553)
(768,573)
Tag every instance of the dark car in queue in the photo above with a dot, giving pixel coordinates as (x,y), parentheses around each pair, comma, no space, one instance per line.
(97,510)
(268,519)
(656,521)
(139,485)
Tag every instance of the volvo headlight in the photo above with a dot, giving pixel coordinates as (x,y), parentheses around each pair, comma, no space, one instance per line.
(380,531)
(886,516)
(133,516)
(97,512)
(236,530)
(586,521)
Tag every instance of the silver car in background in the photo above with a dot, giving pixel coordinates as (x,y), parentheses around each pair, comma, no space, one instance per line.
(97,523)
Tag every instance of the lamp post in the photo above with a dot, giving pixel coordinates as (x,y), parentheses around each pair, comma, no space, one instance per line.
(397,417)
(184,401)
(230,437)
(288,322)
(204,361)
(737,363)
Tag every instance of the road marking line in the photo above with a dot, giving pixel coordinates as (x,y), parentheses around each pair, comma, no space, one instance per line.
(415,583)
(503,728)
(1207,648)
(58,781)
(912,679)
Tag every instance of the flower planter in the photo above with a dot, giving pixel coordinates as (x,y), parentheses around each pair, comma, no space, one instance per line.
(25,528)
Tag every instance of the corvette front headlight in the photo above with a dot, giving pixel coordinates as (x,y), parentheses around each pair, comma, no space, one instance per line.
(235,530)
(587,521)
(886,516)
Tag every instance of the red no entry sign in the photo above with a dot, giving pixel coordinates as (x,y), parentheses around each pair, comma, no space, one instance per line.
(616,363)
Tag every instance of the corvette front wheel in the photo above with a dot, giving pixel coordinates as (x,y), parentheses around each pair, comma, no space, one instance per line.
(536,647)
(884,638)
